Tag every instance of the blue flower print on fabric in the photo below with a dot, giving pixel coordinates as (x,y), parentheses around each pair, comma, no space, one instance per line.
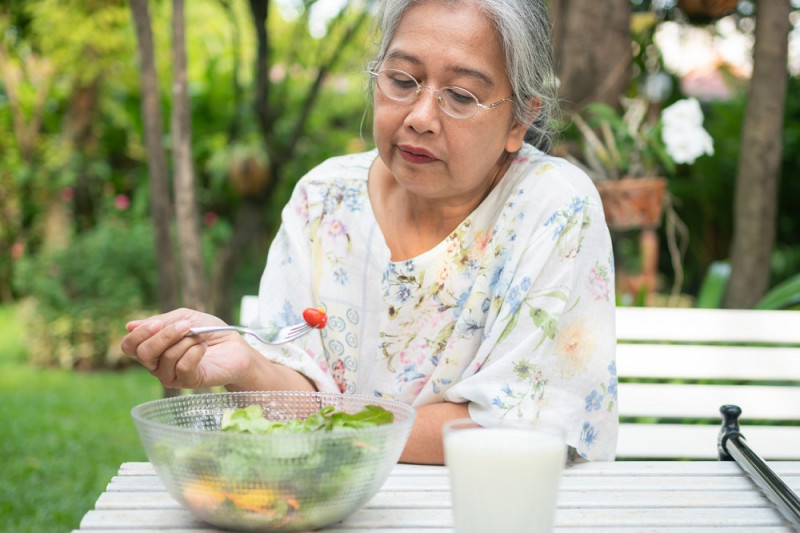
(568,225)
(607,394)
(287,315)
(340,275)
(588,436)
(532,389)
(594,401)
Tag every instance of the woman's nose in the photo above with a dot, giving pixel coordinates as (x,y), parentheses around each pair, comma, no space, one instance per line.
(424,113)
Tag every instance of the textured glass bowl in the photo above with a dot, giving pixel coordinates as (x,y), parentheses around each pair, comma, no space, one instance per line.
(272,482)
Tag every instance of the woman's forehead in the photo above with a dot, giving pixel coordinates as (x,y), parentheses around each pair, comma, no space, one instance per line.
(458,38)
(398,57)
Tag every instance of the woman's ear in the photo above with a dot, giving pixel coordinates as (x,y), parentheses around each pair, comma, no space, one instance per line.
(517,134)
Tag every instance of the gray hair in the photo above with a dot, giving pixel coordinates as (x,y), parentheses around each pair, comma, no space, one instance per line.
(524,31)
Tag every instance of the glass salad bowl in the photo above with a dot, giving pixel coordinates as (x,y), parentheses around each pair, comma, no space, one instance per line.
(305,475)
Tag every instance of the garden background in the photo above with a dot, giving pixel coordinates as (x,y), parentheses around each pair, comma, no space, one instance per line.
(146,149)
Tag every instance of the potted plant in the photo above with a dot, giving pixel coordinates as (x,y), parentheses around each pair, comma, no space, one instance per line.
(630,156)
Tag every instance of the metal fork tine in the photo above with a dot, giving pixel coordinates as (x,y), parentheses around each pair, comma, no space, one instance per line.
(297,331)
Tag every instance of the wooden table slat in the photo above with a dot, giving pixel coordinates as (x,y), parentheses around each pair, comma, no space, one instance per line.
(421,518)
(619,499)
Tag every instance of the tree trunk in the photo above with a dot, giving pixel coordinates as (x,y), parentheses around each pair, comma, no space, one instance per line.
(250,227)
(80,132)
(755,205)
(592,49)
(193,283)
(259,9)
(160,209)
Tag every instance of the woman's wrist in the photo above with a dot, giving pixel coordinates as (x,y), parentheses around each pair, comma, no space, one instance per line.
(263,374)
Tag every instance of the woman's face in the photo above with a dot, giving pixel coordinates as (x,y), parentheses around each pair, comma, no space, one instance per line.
(429,153)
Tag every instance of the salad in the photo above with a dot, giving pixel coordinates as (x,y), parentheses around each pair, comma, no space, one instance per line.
(287,481)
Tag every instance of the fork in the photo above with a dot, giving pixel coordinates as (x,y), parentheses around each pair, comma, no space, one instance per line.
(267,336)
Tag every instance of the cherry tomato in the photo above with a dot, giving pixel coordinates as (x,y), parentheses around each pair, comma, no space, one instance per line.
(315,318)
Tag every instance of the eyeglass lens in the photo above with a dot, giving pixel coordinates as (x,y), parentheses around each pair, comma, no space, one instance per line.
(456,102)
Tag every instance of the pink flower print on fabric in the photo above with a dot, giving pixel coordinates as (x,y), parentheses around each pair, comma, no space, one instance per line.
(482,239)
(338,375)
(336,229)
(302,209)
(413,358)
(599,282)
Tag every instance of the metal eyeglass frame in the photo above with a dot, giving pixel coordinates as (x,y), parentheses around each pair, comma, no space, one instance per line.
(436,93)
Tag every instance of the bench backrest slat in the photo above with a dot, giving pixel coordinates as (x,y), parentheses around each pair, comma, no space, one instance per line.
(708,325)
(687,441)
(697,361)
(667,400)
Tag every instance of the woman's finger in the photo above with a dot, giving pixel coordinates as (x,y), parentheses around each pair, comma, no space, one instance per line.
(187,368)
(177,359)
(161,338)
(133,341)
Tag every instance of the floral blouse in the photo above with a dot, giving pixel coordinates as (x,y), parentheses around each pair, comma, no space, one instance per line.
(513,312)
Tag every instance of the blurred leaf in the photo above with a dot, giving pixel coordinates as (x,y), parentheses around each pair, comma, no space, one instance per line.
(782,296)
(712,290)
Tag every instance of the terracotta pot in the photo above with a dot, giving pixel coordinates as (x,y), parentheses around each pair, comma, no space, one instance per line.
(633,203)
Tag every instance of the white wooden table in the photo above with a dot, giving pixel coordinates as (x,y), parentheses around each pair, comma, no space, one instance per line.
(635,496)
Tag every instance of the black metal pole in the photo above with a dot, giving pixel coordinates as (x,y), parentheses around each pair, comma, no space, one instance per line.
(731,445)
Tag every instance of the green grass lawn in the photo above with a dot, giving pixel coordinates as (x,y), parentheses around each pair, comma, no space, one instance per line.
(63,435)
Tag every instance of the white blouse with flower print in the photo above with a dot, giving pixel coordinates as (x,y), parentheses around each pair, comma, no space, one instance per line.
(513,312)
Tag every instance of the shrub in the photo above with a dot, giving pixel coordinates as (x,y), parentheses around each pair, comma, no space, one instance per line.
(81,296)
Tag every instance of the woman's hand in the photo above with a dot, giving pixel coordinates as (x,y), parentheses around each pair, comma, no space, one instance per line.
(160,344)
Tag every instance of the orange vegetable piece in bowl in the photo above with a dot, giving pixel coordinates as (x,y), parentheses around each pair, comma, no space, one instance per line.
(260,500)
(315,317)
(204,494)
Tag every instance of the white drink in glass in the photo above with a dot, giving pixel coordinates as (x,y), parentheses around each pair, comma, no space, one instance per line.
(503,479)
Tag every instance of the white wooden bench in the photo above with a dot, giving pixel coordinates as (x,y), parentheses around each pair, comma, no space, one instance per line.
(678,366)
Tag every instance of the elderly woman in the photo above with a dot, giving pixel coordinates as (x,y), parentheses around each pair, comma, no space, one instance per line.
(463,270)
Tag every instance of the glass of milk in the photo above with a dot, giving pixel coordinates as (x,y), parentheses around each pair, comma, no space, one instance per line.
(504,478)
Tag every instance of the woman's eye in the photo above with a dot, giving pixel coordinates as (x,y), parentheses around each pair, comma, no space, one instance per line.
(403,83)
(459,96)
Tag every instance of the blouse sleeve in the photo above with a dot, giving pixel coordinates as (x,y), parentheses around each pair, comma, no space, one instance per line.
(549,349)
(287,288)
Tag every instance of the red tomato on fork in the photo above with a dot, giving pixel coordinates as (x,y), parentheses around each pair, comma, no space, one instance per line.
(315,317)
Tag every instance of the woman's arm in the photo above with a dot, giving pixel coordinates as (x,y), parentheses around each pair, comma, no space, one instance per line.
(425,445)
(263,374)
(161,345)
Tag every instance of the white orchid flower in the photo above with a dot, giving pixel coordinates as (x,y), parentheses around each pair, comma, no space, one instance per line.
(683,133)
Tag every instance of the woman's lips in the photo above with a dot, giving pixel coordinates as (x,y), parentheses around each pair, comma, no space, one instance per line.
(416,155)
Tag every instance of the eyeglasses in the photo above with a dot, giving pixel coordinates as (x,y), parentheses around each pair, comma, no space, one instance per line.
(454,101)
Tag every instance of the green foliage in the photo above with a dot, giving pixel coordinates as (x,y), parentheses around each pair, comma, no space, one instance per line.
(64,435)
(703,194)
(712,291)
(625,145)
(81,295)
(785,295)
(89,33)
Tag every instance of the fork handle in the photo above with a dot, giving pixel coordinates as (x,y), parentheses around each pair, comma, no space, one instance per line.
(208,329)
